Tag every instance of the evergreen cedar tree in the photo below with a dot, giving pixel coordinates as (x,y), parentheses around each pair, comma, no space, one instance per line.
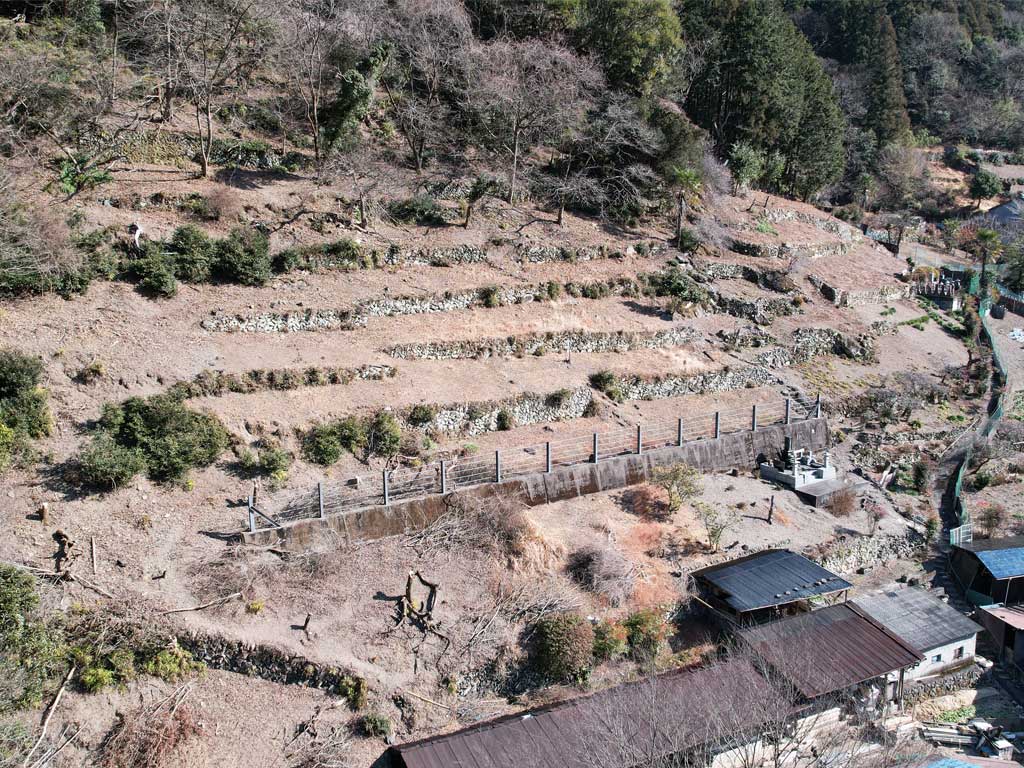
(764,86)
(887,104)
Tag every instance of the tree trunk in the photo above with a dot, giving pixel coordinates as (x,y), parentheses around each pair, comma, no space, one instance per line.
(561,210)
(167,102)
(113,57)
(515,168)
(469,215)
(680,212)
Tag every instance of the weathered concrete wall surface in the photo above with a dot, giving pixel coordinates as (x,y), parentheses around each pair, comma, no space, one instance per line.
(734,451)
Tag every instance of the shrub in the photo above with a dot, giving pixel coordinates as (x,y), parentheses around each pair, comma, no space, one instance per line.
(645,632)
(95,679)
(922,474)
(383,435)
(7,446)
(171,664)
(558,398)
(717,521)
(341,254)
(31,652)
(91,372)
(193,253)
(680,481)
(375,725)
(273,460)
(602,381)
(688,240)
(322,444)
(554,290)
(504,421)
(171,438)
(603,571)
(155,272)
(611,640)
(421,415)
(565,648)
(244,257)
(24,412)
(843,503)
(932,527)
(490,296)
(419,209)
(106,464)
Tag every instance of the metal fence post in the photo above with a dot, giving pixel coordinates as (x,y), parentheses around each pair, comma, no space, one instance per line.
(679,433)
(753,418)
(387,489)
(320,498)
(594,457)
(444,476)
(817,407)
(252,516)
(789,411)
(547,457)
(497,466)
(718,424)
(639,440)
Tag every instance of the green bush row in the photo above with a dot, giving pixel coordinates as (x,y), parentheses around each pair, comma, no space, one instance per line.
(36,649)
(363,436)
(157,435)
(24,410)
(568,645)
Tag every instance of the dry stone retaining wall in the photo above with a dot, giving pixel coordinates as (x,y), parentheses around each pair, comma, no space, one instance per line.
(542,343)
(283,322)
(537,254)
(276,666)
(530,408)
(790,250)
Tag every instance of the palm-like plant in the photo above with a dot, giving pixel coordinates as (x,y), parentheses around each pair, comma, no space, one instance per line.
(686,183)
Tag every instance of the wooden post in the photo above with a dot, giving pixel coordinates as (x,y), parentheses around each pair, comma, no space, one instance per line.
(639,440)
(753,418)
(547,457)
(817,407)
(92,547)
(387,488)
(497,466)
(252,516)
(679,433)
(320,498)
(444,476)
(718,424)
(789,411)
(593,456)
(771,510)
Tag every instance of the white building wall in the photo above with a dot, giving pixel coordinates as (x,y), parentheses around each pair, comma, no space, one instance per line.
(947,654)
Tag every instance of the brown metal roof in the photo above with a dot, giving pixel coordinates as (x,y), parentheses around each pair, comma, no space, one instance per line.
(627,725)
(830,649)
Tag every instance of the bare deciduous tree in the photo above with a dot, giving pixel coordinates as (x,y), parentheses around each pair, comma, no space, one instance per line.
(217,45)
(525,92)
(320,39)
(430,38)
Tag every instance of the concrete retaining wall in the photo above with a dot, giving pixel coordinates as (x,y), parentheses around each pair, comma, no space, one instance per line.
(734,451)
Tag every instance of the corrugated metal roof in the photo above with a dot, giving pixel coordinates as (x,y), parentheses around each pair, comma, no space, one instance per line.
(918,617)
(769,578)
(830,649)
(1004,557)
(1012,615)
(627,725)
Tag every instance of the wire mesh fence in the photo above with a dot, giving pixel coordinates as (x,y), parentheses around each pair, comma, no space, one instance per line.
(403,483)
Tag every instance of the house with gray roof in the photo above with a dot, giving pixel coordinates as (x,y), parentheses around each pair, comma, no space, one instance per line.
(942,633)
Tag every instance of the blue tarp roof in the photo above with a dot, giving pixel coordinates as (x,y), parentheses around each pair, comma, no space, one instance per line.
(1003,563)
(1004,558)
